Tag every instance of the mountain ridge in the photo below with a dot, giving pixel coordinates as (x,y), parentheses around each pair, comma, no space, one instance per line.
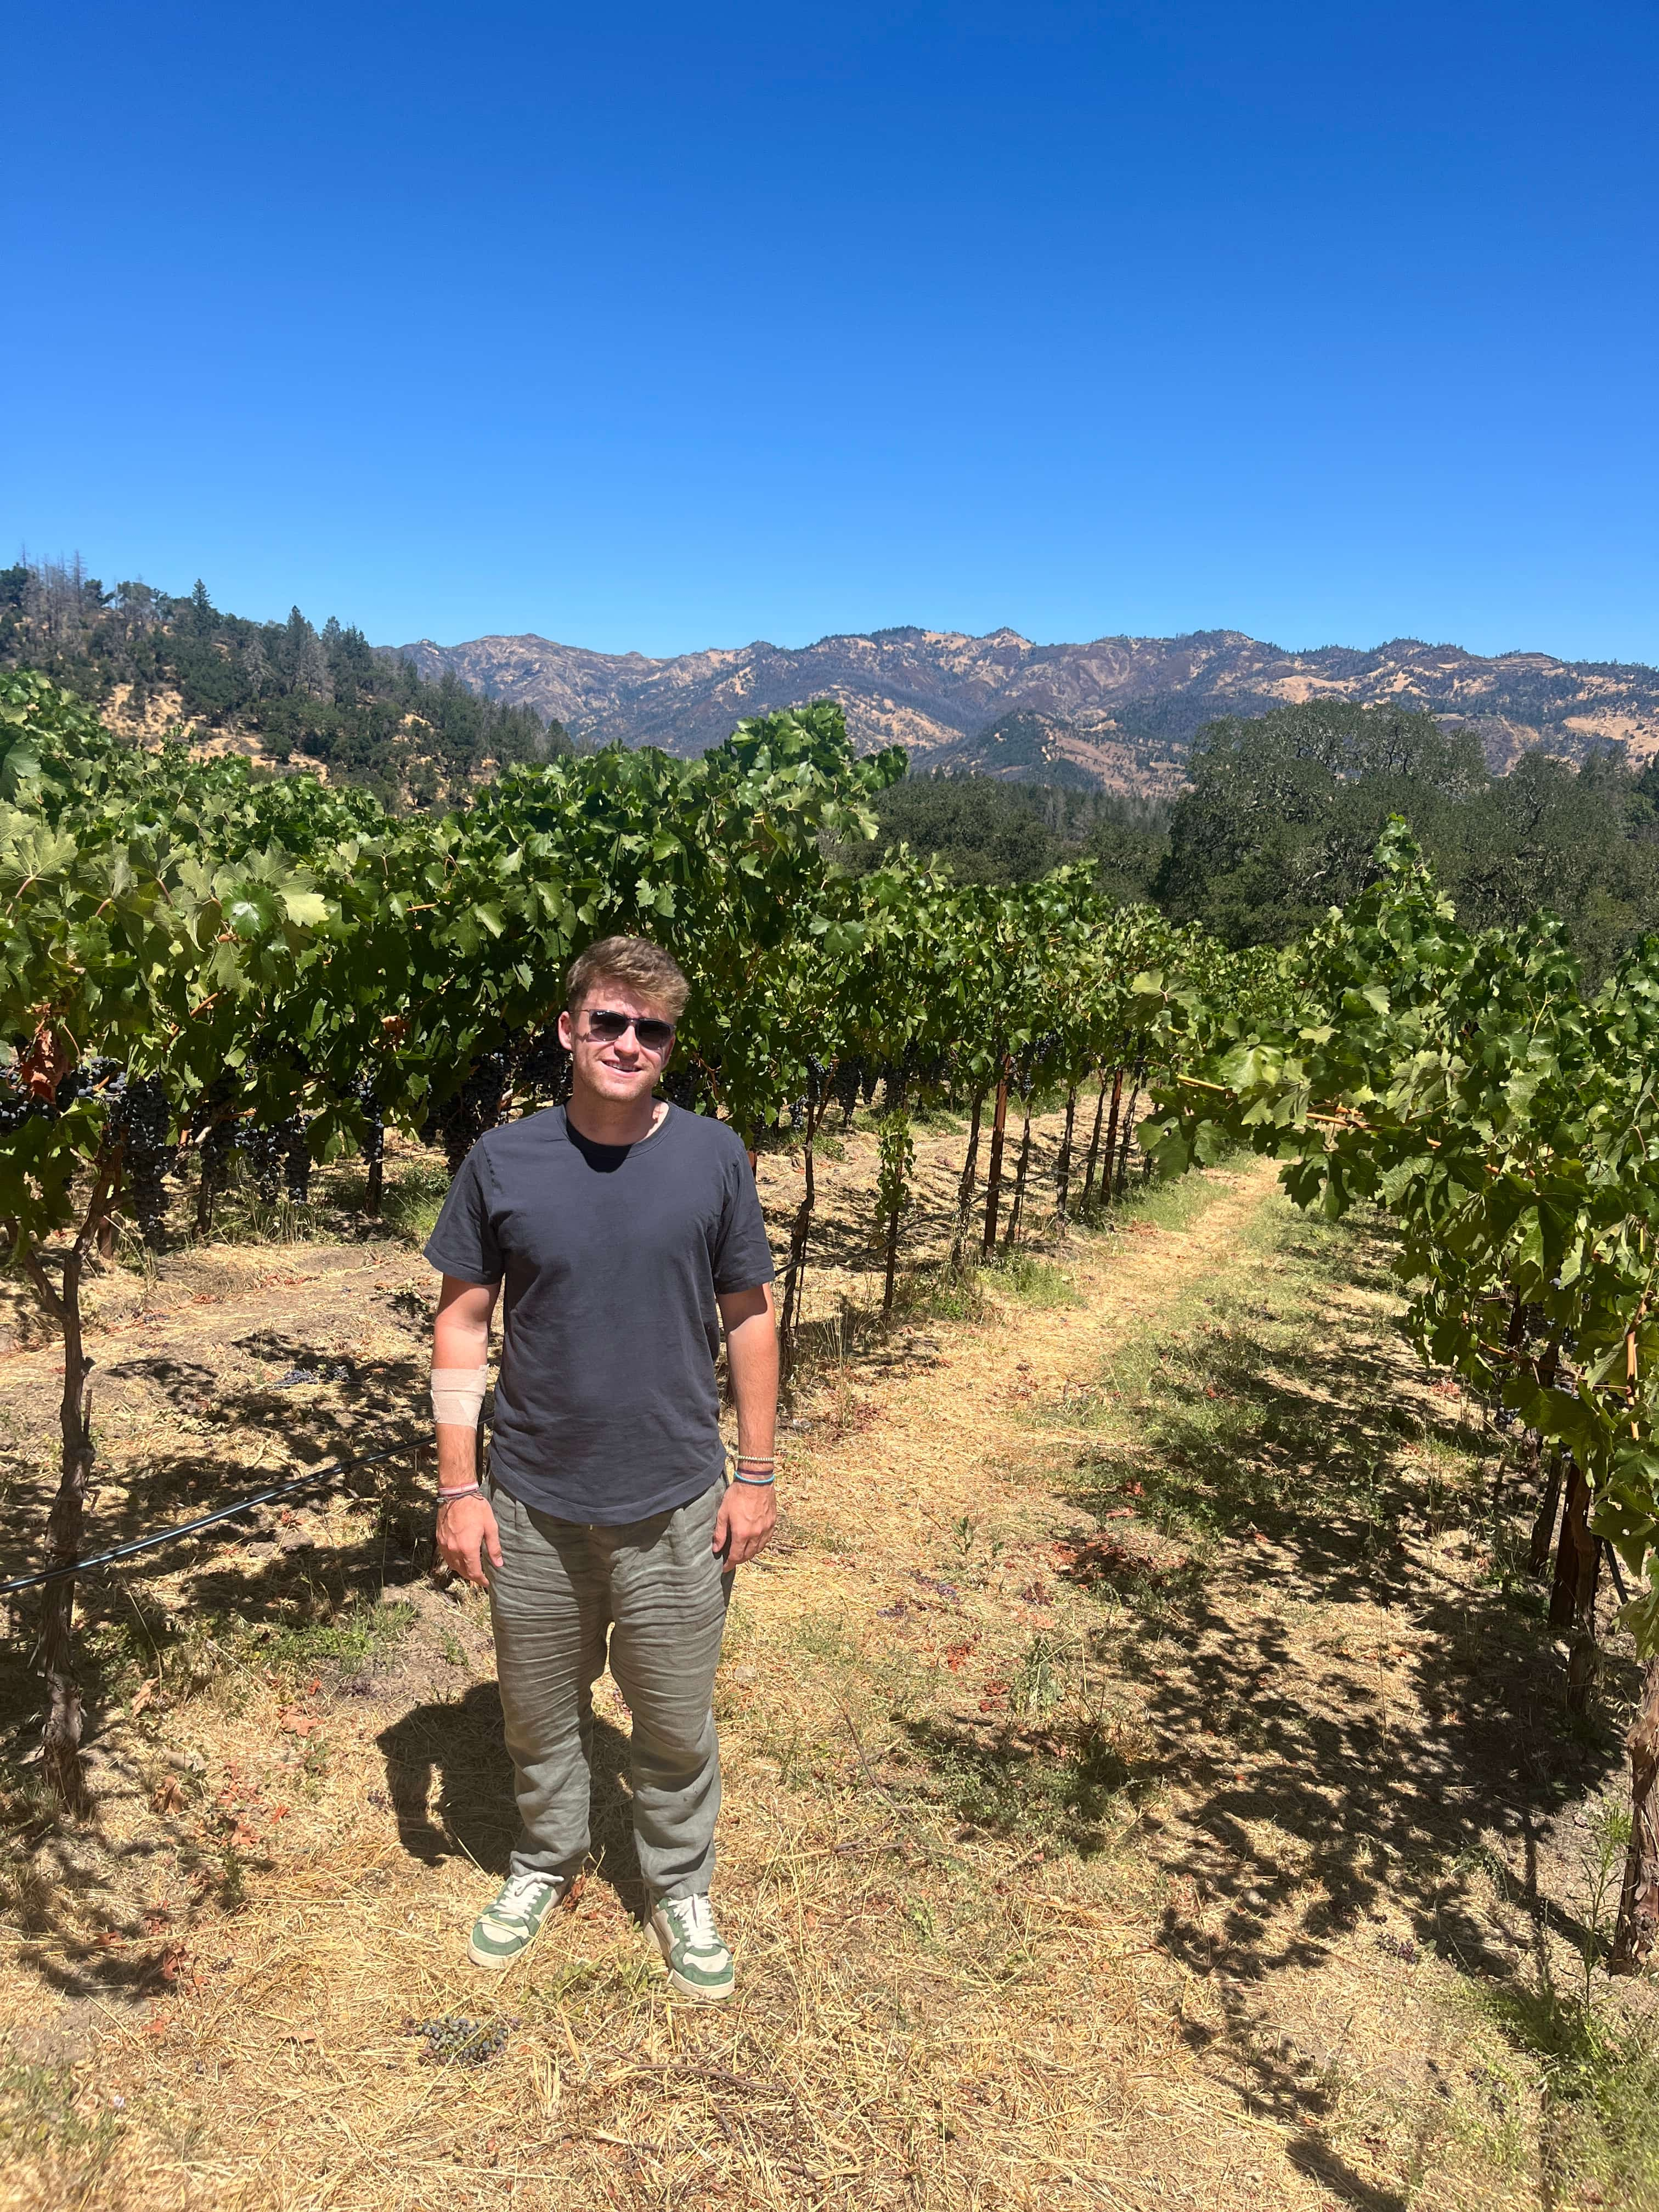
(1118,712)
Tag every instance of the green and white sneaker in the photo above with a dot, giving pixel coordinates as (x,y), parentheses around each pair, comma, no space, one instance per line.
(699,1964)
(505,1929)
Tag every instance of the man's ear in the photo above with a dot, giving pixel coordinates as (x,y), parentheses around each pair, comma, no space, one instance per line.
(567,1032)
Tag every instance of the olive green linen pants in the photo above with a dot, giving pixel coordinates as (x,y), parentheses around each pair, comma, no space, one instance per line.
(657,1593)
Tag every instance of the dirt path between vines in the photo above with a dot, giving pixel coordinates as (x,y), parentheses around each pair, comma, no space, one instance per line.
(1134,1778)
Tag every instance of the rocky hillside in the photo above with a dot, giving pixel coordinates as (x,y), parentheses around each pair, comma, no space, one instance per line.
(1118,712)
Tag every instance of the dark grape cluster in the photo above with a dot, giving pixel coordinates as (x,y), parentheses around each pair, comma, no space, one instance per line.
(909,1069)
(462,1119)
(849,1073)
(820,1085)
(213,1131)
(92,1078)
(541,1066)
(264,1149)
(373,1120)
(217,1145)
(296,1161)
(143,1121)
(278,1155)
(452,2039)
(1030,1064)
(683,1087)
(140,1121)
(17,1107)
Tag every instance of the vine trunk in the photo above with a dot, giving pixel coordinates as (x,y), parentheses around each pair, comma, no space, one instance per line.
(969,1177)
(1120,1180)
(993,1172)
(1063,1166)
(1106,1179)
(800,1231)
(1094,1144)
(1018,1206)
(1639,1900)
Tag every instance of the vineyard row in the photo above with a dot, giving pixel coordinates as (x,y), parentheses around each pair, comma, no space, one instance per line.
(194,953)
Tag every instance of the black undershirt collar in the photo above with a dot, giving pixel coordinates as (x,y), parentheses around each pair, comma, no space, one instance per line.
(604,1159)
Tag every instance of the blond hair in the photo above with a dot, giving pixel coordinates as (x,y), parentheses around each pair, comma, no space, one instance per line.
(636,961)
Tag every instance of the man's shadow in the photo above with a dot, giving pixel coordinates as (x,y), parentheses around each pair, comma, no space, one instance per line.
(473,1815)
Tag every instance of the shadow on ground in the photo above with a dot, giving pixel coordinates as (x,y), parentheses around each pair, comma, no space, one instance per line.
(1323,1777)
(451,1786)
(256,1569)
(1417,1778)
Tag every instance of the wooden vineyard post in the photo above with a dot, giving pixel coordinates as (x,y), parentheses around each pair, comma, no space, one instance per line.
(1106,1179)
(1543,1528)
(1094,1144)
(1018,1206)
(1063,1165)
(969,1176)
(799,1231)
(1119,1180)
(792,1275)
(993,1172)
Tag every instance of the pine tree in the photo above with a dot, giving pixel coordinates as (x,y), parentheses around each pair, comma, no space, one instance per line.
(312,677)
(257,664)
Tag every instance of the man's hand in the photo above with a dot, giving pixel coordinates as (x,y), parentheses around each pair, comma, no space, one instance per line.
(747,1514)
(467,1535)
(749,1510)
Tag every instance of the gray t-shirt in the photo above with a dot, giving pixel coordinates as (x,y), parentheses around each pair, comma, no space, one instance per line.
(612,1256)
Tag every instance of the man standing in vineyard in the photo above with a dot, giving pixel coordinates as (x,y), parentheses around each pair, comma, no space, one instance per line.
(626,1232)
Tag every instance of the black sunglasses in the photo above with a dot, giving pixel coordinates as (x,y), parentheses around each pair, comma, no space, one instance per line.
(610,1028)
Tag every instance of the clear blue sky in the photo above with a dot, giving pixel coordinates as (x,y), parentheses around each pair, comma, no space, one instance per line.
(658,328)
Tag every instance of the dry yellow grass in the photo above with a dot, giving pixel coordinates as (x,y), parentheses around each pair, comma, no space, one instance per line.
(1018,1851)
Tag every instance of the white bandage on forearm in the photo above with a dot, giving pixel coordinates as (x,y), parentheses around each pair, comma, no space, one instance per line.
(457,1396)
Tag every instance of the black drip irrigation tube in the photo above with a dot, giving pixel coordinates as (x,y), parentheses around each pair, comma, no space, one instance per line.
(206,1520)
